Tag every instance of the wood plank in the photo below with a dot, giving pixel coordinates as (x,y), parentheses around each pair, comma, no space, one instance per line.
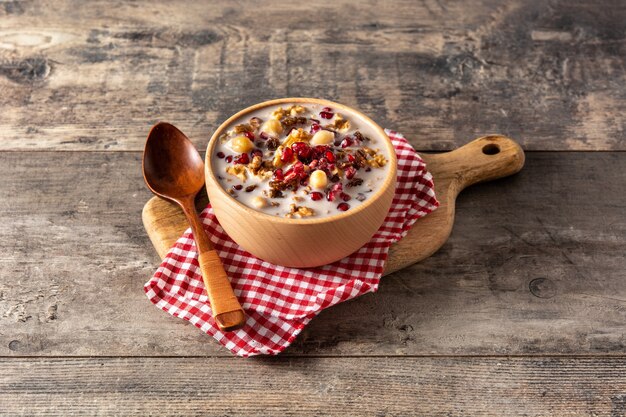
(550,74)
(313,386)
(535,264)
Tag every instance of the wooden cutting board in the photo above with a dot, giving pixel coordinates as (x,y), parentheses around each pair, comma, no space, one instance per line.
(483,159)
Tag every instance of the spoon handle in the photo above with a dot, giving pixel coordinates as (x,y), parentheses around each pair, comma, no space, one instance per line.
(227,311)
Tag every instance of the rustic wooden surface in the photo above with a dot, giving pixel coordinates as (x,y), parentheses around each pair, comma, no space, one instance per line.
(522,312)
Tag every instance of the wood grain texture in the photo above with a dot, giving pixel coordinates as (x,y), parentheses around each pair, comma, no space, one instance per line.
(96,78)
(314,387)
(535,264)
(452,172)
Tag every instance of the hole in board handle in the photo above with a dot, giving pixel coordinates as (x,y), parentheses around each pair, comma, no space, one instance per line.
(491,149)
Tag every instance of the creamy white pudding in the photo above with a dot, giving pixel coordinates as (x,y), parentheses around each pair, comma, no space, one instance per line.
(300,161)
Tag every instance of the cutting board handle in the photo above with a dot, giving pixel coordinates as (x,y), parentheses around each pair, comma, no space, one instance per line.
(483,159)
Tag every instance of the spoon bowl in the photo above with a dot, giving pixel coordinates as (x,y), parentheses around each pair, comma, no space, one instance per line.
(174,170)
(172,166)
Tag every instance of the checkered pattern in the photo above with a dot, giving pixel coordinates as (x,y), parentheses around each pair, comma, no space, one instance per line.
(280,301)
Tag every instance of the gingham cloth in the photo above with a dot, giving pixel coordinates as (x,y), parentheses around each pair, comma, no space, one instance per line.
(280,301)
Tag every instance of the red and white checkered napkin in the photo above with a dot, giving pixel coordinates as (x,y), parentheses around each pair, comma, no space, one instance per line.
(280,301)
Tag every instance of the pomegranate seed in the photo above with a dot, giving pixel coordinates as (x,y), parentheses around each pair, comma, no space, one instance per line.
(220,155)
(302,150)
(343,206)
(264,136)
(243,159)
(237,187)
(330,196)
(326,115)
(316,196)
(350,172)
(345,197)
(287,155)
(337,187)
(278,174)
(330,156)
(229,159)
(346,142)
(249,135)
(314,128)
(360,197)
(313,164)
(290,175)
(351,158)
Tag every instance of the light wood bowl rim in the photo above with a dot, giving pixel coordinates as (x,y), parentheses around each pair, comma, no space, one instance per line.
(389,180)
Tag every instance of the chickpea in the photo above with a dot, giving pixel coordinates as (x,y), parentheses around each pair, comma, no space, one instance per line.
(322,137)
(241,144)
(318,179)
(272,127)
(259,202)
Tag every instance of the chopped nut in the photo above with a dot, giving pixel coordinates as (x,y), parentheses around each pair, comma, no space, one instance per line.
(297,135)
(223,138)
(255,164)
(278,114)
(339,123)
(377,162)
(299,211)
(273,193)
(369,151)
(275,204)
(297,198)
(242,128)
(255,122)
(296,109)
(238,170)
(290,121)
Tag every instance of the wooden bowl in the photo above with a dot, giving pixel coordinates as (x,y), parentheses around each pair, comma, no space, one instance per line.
(301,242)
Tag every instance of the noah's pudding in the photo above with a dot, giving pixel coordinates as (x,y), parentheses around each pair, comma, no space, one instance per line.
(300,160)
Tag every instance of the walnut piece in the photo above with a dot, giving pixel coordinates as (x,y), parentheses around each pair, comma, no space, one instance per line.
(339,123)
(238,170)
(377,162)
(299,211)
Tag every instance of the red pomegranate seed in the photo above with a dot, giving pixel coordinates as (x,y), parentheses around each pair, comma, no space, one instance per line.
(337,187)
(346,142)
(350,172)
(330,156)
(316,196)
(243,159)
(278,174)
(315,127)
(237,187)
(229,159)
(351,158)
(287,155)
(331,196)
(326,115)
(343,206)
(301,149)
(345,197)
(249,135)
(220,155)
(313,164)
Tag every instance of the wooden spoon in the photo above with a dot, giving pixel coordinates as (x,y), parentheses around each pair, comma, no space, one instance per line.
(174,170)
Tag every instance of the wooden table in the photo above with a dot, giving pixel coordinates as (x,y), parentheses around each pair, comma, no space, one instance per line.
(522,312)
